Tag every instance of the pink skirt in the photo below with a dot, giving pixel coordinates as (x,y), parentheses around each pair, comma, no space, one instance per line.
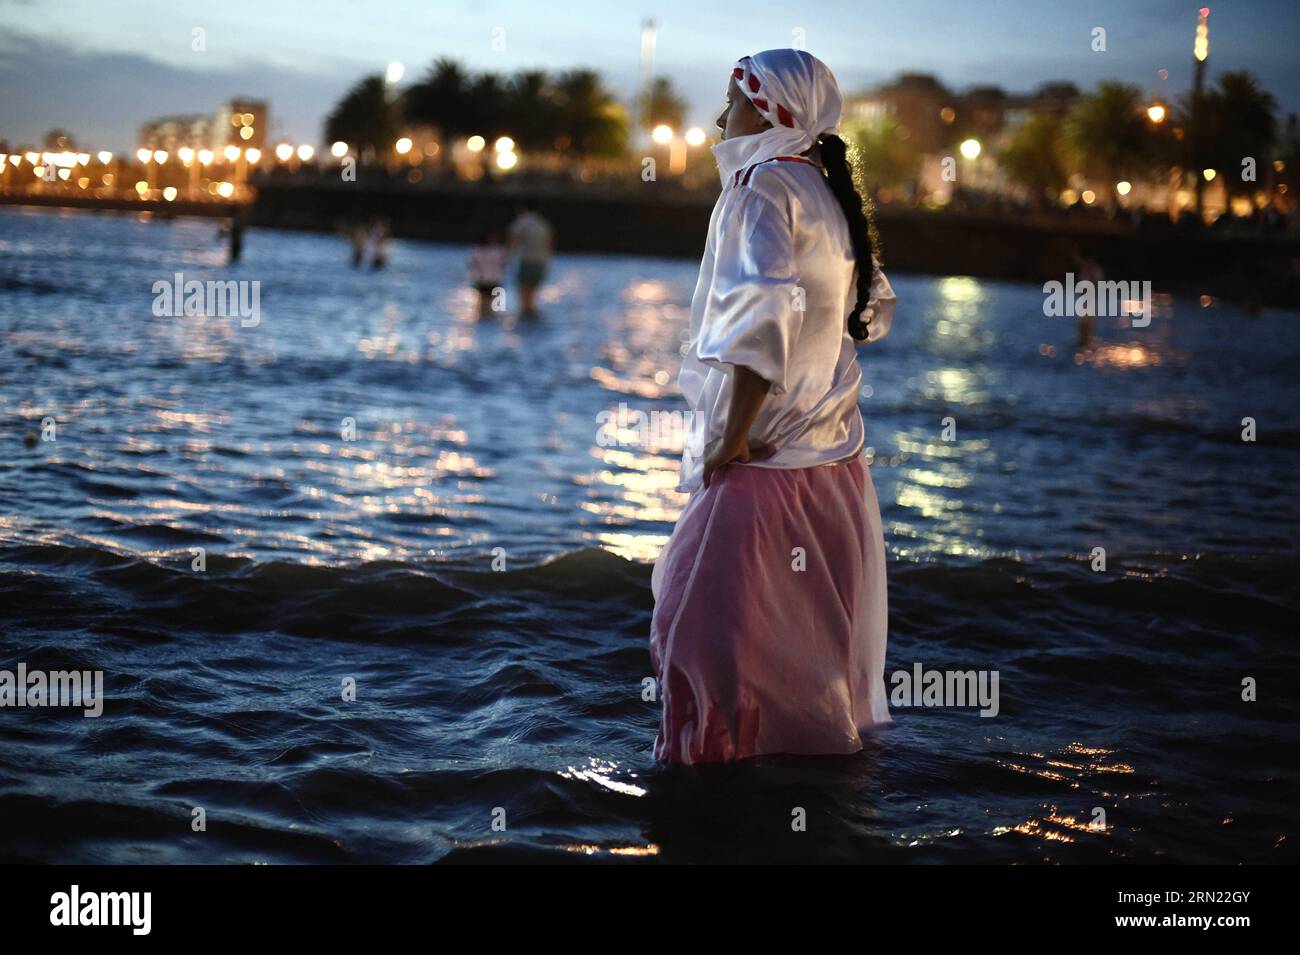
(770,616)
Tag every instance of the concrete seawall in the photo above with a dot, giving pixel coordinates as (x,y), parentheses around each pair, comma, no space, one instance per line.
(1253,268)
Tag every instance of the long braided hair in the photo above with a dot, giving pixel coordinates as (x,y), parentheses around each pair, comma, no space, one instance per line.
(862,230)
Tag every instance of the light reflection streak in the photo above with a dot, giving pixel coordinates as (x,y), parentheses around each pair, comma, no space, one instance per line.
(1076,765)
(601,772)
(591,849)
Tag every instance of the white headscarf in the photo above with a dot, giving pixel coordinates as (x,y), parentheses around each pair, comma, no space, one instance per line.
(796,93)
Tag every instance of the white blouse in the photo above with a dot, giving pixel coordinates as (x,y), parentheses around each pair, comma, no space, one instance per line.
(775,290)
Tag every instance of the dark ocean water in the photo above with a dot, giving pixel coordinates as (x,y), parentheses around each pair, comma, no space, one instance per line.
(519,691)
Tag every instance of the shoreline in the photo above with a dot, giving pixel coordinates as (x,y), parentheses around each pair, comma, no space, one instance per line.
(1256,270)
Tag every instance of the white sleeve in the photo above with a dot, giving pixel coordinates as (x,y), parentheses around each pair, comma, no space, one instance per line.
(750,317)
(880,306)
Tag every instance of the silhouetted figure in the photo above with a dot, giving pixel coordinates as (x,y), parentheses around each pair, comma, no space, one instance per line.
(237,225)
(530,239)
(487,268)
(358,241)
(1086,270)
(379,255)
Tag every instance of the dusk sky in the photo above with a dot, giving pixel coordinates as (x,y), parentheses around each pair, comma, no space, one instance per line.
(99,70)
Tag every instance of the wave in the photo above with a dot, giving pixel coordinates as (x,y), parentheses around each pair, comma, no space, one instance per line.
(15,283)
(237,593)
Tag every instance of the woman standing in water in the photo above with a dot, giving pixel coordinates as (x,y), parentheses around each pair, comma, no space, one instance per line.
(770,620)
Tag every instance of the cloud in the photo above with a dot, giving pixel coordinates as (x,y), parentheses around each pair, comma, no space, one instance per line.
(102,98)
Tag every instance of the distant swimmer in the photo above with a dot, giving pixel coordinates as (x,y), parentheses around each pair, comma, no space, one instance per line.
(1087,270)
(487,271)
(358,240)
(379,237)
(530,240)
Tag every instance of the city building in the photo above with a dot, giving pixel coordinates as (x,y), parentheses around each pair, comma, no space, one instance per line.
(954,136)
(174,132)
(933,118)
(240,122)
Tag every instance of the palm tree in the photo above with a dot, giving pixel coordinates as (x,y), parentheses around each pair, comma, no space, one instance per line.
(443,98)
(1109,135)
(589,121)
(1033,158)
(489,101)
(1245,125)
(365,117)
(574,112)
(1224,125)
(661,104)
(882,156)
(531,110)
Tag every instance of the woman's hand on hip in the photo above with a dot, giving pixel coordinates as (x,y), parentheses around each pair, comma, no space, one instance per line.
(721,452)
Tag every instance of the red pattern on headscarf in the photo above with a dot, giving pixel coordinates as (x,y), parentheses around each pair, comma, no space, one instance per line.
(748,78)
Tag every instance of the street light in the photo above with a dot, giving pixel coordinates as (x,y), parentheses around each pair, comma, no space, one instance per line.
(694,136)
(284,152)
(339,149)
(1201,54)
(1156,113)
(187,155)
(142,154)
(231,153)
(403,146)
(662,134)
(970,150)
(305,152)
